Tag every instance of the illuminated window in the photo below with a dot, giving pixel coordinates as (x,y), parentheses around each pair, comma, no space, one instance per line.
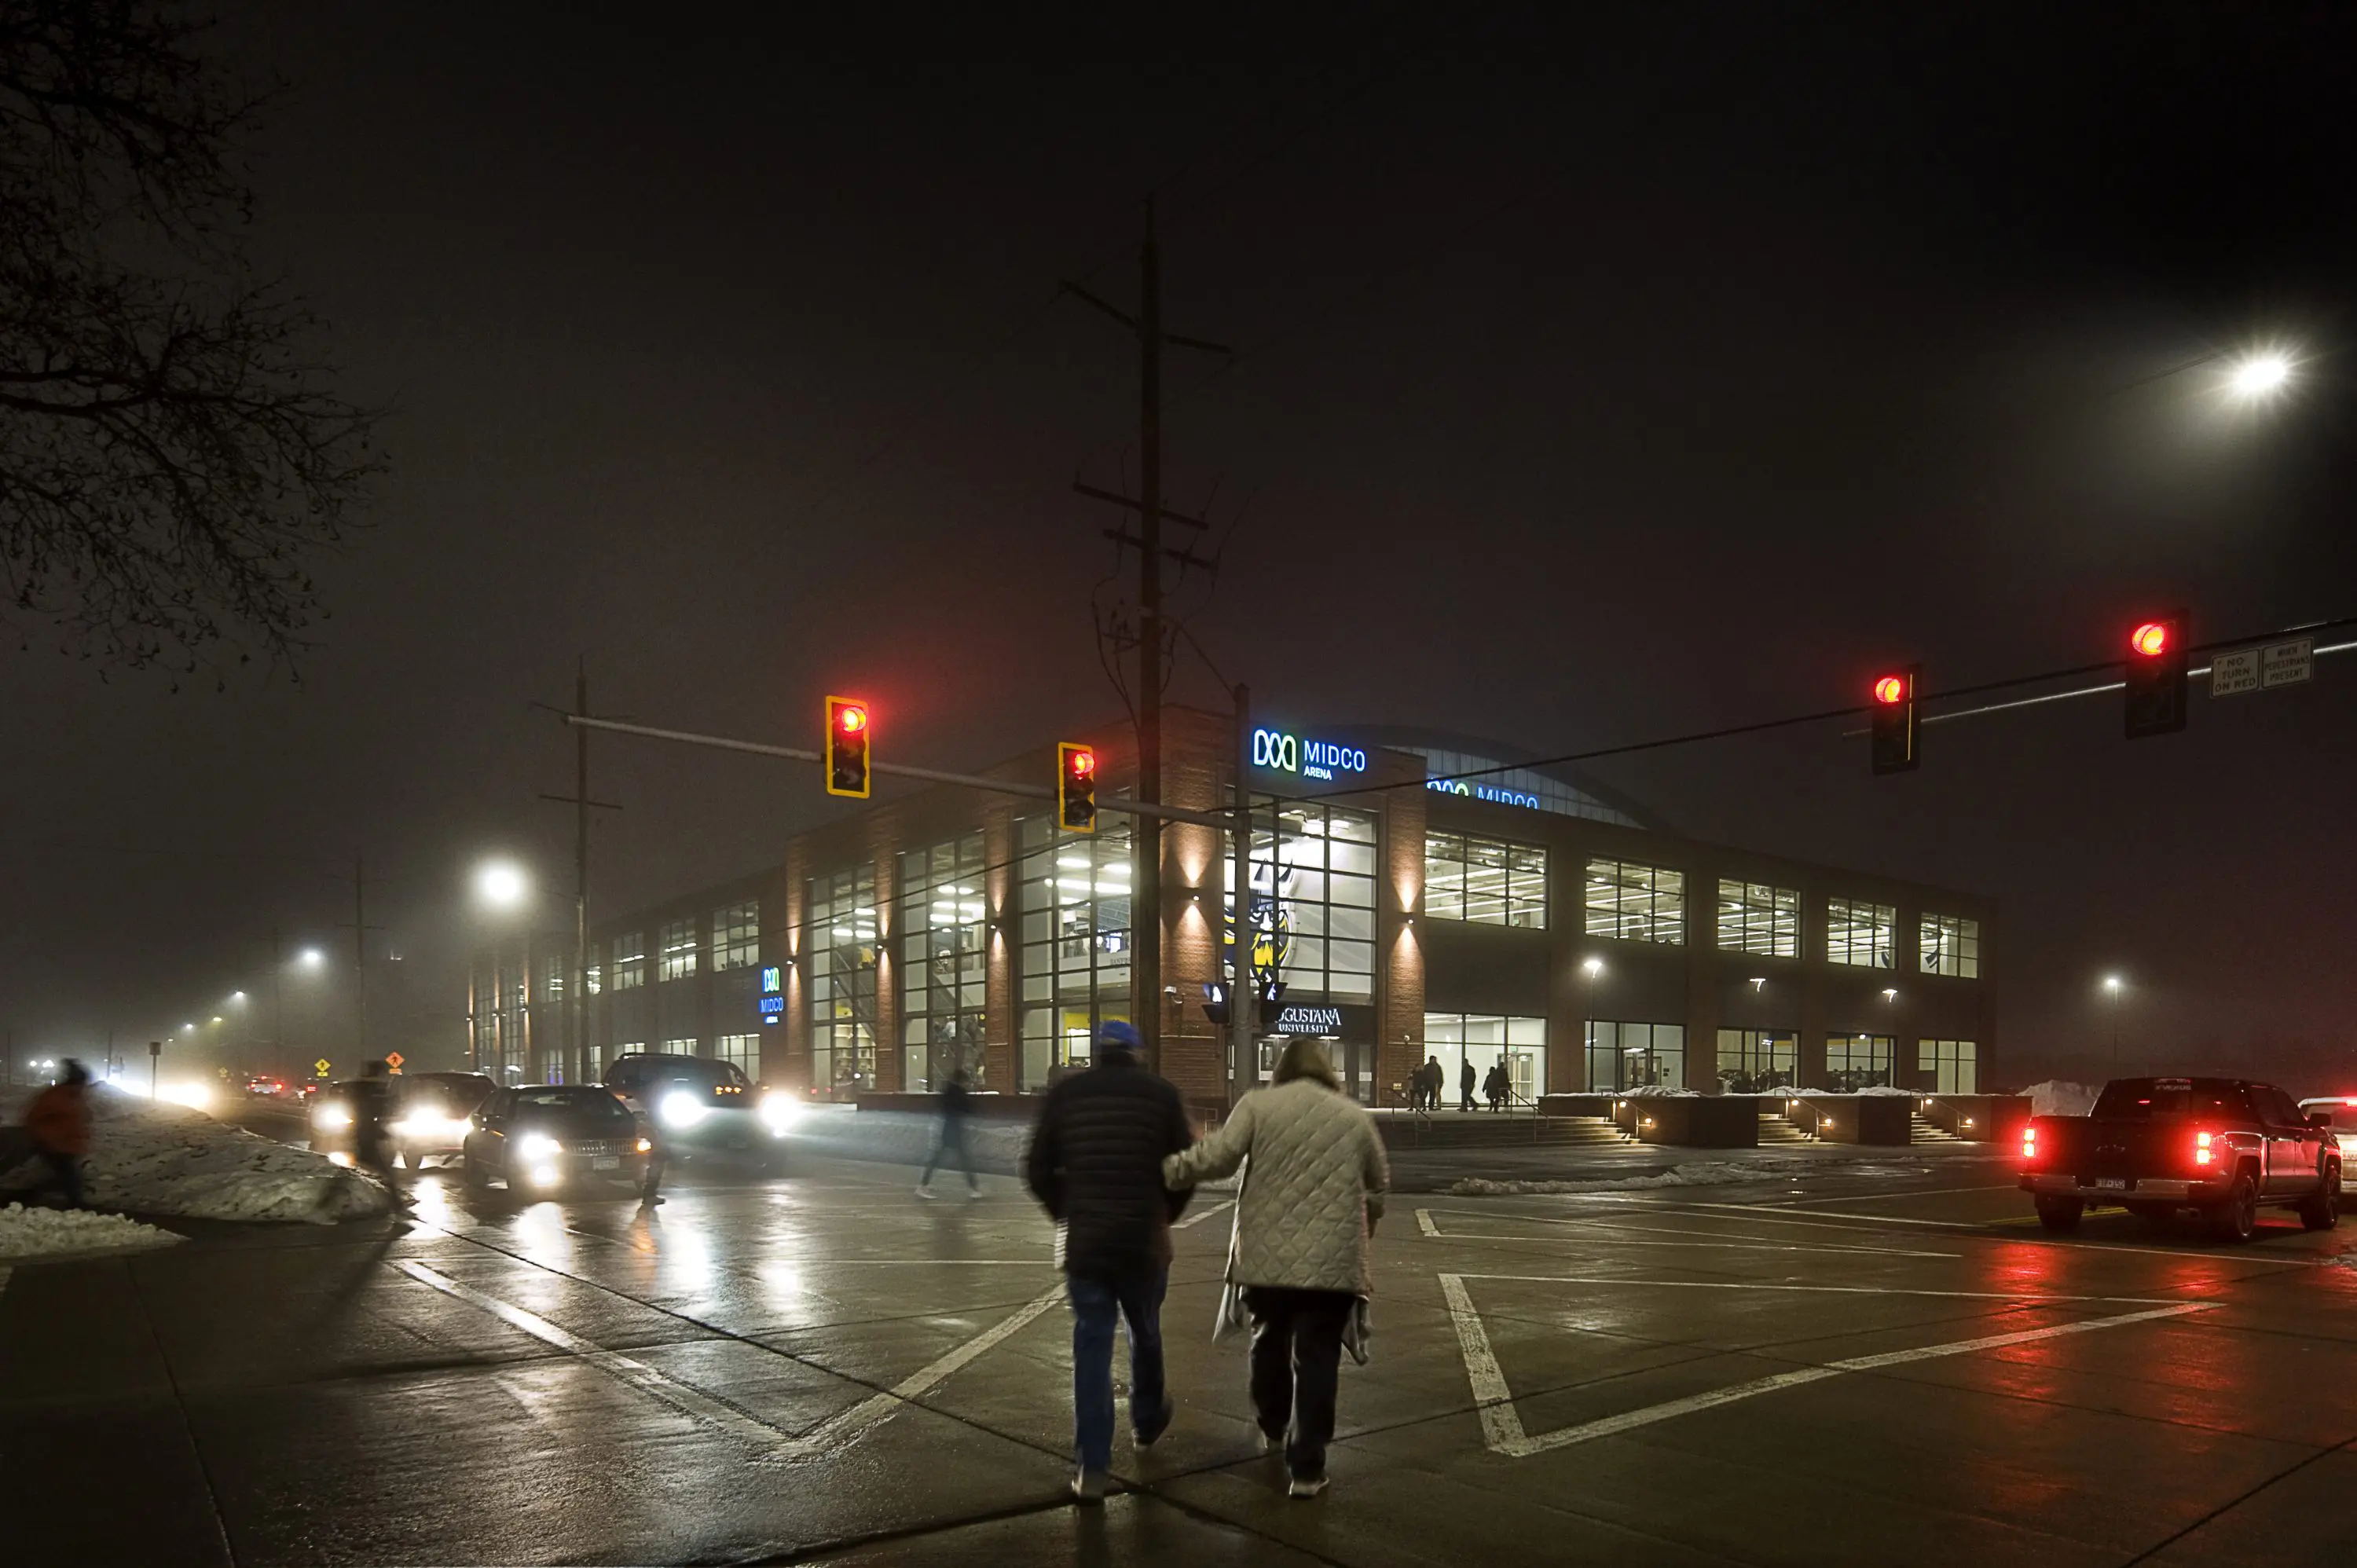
(683,1048)
(1484,882)
(1754,1061)
(942,972)
(1485,1039)
(843,938)
(631,960)
(1863,935)
(1636,903)
(679,948)
(593,978)
(1756,917)
(1312,912)
(1635,1056)
(1859,1061)
(744,1050)
(737,936)
(1953,1067)
(1074,955)
(1952,945)
(554,970)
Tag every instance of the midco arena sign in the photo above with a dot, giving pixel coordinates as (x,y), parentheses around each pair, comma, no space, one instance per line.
(1285,753)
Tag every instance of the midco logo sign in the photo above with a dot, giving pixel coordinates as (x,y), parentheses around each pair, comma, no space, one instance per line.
(1482,792)
(1285,753)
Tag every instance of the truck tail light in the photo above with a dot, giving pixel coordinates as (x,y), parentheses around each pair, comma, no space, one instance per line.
(2029,1144)
(2201,1148)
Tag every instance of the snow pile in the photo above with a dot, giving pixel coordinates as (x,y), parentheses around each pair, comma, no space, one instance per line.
(1886,1089)
(1657,1091)
(153,1157)
(45,1232)
(2059,1097)
(1700,1173)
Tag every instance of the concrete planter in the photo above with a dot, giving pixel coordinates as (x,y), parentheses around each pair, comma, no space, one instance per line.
(1882,1121)
(1701,1122)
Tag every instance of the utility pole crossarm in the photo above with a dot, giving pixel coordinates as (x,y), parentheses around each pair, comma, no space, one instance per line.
(1119,500)
(1123,316)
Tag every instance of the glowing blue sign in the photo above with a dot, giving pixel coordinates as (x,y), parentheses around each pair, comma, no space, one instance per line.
(1285,753)
(772,1009)
(1483,792)
(770,981)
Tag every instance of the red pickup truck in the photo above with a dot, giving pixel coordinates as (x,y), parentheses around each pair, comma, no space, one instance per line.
(2225,1147)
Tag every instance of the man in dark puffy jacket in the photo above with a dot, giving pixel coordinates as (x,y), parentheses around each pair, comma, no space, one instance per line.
(1096,1164)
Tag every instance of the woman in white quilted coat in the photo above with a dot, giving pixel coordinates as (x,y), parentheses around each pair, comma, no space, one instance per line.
(1313,1189)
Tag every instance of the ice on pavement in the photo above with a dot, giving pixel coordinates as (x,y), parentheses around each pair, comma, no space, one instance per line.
(46,1233)
(2059,1097)
(154,1157)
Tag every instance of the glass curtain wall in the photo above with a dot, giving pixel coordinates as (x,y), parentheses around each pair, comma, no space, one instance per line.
(942,977)
(1484,882)
(1953,1067)
(1635,1056)
(1754,1061)
(842,948)
(1313,902)
(1074,894)
(1859,1061)
(1636,903)
(1756,917)
(1483,1040)
(737,936)
(1863,935)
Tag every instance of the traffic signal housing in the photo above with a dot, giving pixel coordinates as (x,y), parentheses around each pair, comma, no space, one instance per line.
(1894,719)
(2157,677)
(1076,788)
(848,728)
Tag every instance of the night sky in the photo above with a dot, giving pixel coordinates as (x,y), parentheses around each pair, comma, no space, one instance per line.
(1595,386)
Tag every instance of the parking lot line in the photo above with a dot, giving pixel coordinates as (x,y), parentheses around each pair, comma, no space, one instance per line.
(1202,1214)
(1703,1238)
(771,1440)
(1502,1425)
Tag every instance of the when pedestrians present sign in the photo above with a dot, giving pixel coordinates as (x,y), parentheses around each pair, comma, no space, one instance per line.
(394,1061)
(322,1066)
(2247,670)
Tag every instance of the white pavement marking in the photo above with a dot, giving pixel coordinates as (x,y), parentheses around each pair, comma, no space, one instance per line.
(1706,1239)
(638,1374)
(1202,1214)
(750,1429)
(1885,1196)
(1762,1215)
(1502,1425)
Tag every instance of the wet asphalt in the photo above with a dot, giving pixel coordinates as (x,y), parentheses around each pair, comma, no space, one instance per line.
(1875,1362)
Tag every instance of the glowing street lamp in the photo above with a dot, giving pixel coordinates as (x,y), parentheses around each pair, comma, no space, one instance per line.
(311,958)
(2258,376)
(502,884)
(2112,984)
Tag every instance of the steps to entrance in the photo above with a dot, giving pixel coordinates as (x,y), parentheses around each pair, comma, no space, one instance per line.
(1475,1129)
(1922,1132)
(1774,1129)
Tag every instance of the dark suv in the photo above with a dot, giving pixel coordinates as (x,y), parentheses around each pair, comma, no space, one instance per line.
(701,1103)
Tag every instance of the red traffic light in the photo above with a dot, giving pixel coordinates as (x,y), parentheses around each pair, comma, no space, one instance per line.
(851,718)
(2150,639)
(1890,689)
(1083,763)
(847,735)
(1076,788)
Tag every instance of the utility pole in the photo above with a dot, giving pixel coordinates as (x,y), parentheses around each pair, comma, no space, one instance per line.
(279,1053)
(1145,878)
(1244,1069)
(360,955)
(576,1043)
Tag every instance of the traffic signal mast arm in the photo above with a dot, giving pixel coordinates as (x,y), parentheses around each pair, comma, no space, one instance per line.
(898,770)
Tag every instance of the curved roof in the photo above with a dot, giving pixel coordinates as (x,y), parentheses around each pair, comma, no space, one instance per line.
(1559,788)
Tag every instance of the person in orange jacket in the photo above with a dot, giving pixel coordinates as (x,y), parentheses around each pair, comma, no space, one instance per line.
(59,1121)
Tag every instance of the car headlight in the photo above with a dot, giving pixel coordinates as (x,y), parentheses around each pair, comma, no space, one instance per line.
(538,1146)
(646,1145)
(780,1111)
(681,1108)
(332,1116)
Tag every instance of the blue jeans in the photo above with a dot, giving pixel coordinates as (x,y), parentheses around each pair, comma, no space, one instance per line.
(1095,1303)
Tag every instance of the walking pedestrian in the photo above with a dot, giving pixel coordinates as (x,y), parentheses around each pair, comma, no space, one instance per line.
(1465,1086)
(1310,1199)
(1435,1078)
(949,1138)
(1095,1164)
(1495,1090)
(372,1139)
(59,1124)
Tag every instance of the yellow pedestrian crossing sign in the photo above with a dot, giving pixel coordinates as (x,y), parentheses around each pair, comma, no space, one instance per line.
(322,1066)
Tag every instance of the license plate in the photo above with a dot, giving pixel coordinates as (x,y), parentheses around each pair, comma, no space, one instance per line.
(2110,1183)
(607,1163)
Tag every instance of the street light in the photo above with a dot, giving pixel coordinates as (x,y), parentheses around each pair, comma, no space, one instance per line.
(1592,968)
(501,884)
(311,958)
(2259,375)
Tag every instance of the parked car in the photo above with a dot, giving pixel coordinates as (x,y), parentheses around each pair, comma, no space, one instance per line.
(2225,1147)
(432,1112)
(547,1137)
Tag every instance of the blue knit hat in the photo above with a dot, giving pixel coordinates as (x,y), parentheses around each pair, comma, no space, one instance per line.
(1115,1033)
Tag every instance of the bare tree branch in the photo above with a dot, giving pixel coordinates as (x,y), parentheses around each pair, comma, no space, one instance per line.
(170,452)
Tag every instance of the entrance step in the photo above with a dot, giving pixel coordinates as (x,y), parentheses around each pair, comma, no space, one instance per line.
(1479,1130)
(1774,1129)
(1922,1132)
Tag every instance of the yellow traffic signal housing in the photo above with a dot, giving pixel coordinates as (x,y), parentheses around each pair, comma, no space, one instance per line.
(1076,788)
(847,730)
